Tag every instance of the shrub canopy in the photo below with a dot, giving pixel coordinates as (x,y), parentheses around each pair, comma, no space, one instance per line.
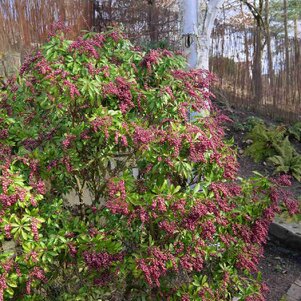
(168,219)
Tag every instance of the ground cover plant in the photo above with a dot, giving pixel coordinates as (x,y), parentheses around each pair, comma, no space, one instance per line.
(82,115)
(273,144)
(264,141)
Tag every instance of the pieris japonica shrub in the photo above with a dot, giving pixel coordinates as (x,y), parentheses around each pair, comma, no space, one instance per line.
(169,218)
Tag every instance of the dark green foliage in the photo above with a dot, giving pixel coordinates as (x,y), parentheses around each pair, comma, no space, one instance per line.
(295,131)
(288,160)
(251,122)
(265,141)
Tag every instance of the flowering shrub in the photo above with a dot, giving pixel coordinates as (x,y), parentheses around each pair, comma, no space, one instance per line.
(169,218)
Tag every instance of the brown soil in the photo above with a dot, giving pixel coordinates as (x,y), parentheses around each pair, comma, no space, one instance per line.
(280,268)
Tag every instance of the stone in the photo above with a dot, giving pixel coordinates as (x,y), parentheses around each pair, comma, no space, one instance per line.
(298,282)
(73,199)
(10,62)
(286,234)
(9,246)
(294,292)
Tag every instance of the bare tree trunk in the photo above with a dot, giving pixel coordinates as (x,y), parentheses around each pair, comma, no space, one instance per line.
(257,63)
(297,72)
(268,41)
(286,41)
(152,21)
(206,23)
(269,52)
(246,78)
(190,23)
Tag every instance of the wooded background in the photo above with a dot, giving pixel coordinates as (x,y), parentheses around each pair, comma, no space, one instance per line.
(257,62)
(259,66)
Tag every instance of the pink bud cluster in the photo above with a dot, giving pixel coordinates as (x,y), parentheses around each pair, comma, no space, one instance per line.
(3,134)
(102,124)
(34,229)
(117,198)
(35,274)
(3,286)
(122,90)
(29,61)
(7,230)
(67,141)
(249,257)
(72,88)
(155,266)
(101,260)
(283,180)
(57,27)
(142,137)
(42,66)
(153,57)
(88,46)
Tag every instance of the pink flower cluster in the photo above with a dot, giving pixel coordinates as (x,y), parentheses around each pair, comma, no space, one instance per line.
(57,27)
(28,62)
(117,198)
(43,67)
(278,195)
(283,180)
(3,286)
(192,263)
(260,231)
(101,260)
(153,57)
(35,274)
(88,46)
(142,137)
(67,141)
(150,59)
(3,134)
(34,229)
(72,88)
(122,90)
(102,123)
(249,257)
(155,266)
(159,204)
(193,220)
(168,227)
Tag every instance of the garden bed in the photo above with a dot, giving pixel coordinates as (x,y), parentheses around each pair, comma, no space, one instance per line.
(281,265)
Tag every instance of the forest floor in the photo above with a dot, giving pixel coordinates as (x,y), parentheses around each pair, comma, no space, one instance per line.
(280,266)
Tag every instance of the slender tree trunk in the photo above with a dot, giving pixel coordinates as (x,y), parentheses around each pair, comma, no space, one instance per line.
(223,33)
(152,21)
(257,62)
(268,41)
(286,41)
(247,71)
(269,52)
(246,78)
(297,66)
